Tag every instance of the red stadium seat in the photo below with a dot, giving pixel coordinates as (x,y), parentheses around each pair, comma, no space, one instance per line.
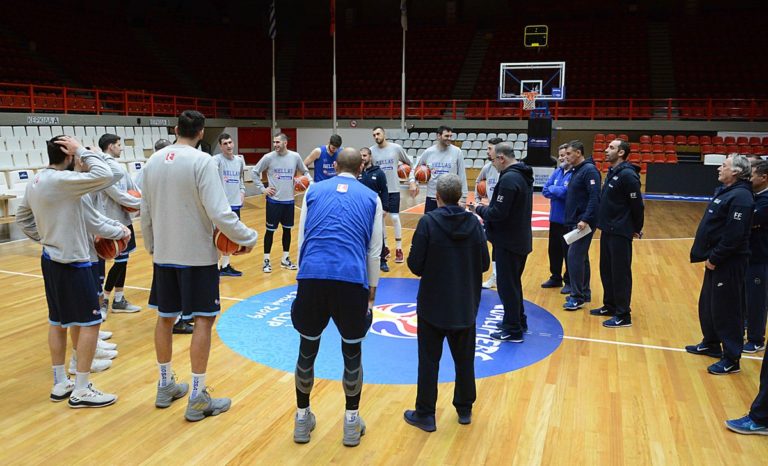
(742,140)
(717,140)
(599,137)
(671,158)
(598,156)
(643,168)
(624,137)
(705,140)
(693,140)
(681,140)
(659,158)
(670,149)
(657,139)
(669,139)
(645,139)
(707,149)
(730,140)
(635,158)
(754,141)
(720,149)
(646,157)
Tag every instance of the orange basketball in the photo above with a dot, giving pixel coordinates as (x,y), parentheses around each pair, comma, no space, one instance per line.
(225,245)
(423,174)
(108,249)
(301,183)
(403,171)
(481,189)
(133,193)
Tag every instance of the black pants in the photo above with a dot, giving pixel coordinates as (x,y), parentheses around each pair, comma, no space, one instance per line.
(509,273)
(616,272)
(558,251)
(722,306)
(759,410)
(462,345)
(757,287)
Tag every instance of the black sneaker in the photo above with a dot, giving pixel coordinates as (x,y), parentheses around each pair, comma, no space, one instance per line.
(230,271)
(183,327)
(618,322)
(602,312)
(384,267)
(724,367)
(504,335)
(552,283)
(704,350)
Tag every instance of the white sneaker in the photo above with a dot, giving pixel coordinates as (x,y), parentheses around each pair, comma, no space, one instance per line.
(490,283)
(101,344)
(62,390)
(287,264)
(104,353)
(90,398)
(105,335)
(97,365)
(267,268)
(103,310)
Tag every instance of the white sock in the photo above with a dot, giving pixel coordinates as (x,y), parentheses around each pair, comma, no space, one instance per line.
(58,374)
(165,374)
(266,257)
(118,296)
(398,228)
(399,243)
(301,413)
(81,380)
(198,384)
(285,255)
(494,269)
(224,261)
(351,414)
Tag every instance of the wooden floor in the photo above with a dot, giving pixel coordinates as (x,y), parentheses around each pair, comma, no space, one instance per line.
(627,396)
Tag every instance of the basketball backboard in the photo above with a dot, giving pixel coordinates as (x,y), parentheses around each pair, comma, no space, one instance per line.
(546,78)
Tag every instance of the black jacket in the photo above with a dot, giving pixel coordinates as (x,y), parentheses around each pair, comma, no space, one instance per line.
(375,179)
(758,239)
(724,229)
(449,252)
(508,217)
(583,197)
(621,209)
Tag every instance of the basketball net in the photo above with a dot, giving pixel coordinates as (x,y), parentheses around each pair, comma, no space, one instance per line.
(529,103)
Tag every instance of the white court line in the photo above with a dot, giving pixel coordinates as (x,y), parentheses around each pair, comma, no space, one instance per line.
(564,337)
(126,286)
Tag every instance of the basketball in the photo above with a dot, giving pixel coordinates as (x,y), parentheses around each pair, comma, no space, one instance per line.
(403,171)
(301,183)
(423,174)
(481,189)
(108,249)
(225,245)
(133,193)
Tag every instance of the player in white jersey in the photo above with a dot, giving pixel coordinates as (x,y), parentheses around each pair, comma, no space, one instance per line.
(114,199)
(231,169)
(387,155)
(182,202)
(281,166)
(52,213)
(441,158)
(490,174)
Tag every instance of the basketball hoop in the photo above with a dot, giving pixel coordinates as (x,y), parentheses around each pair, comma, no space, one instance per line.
(529,102)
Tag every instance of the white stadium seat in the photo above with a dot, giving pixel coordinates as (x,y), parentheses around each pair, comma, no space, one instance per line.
(714,159)
(522,137)
(91,131)
(471,136)
(19,131)
(512,137)
(502,136)
(466,145)
(80,132)
(6,161)
(36,159)
(129,133)
(6,131)
(479,163)
(26,143)
(473,154)
(477,145)
(33,131)
(45,132)
(482,137)
(459,137)
(138,130)
(491,136)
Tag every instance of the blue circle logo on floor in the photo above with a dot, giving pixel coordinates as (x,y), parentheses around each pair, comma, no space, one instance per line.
(260,329)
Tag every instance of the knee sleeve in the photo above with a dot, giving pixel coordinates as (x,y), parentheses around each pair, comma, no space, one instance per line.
(398,226)
(353,369)
(268,235)
(305,366)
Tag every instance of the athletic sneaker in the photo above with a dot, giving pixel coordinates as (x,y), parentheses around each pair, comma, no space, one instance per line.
(566,289)
(183,327)
(504,335)
(90,398)
(704,350)
(602,311)
(287,264)
(383,266)
(105,334)
(750,347)
(572,304)
(490,283)
(171,392)
(618,322)
(425,423)
(97,365)
(724,367)
(303,427)
(267,267)
(552,283)
(353,430)
(399,258)
(230,271)
(62,390)
(385,253)
(123,306)
(104,345)
(104,310)
(203,405)
(745,425)
(104,353)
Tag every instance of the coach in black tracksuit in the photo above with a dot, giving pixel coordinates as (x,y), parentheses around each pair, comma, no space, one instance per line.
(581,206)
(757,271)
(508,224)
(722,243)
(620,218)
(374,178)
(449,252)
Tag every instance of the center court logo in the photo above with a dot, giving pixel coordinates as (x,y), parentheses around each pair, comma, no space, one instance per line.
(260,329)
